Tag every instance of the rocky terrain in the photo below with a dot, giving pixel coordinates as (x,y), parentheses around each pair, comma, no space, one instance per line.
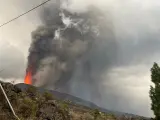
(32,103)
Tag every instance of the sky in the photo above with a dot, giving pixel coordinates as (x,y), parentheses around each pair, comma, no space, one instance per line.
(136,30)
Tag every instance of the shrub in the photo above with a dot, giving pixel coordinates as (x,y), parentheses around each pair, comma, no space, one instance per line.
(64,106)
(31,91)
(96,114)
(47,96)
(28,108)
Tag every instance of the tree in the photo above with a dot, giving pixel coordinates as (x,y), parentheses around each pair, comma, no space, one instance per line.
(155,90)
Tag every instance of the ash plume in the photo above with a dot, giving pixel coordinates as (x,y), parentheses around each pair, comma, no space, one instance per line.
(65,45)
(115,68)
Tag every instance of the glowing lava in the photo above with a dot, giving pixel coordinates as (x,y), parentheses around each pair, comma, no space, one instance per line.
(28,78)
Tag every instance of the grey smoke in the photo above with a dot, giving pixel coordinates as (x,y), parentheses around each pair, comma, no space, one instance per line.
(62,65)
(60,56)
(124,74)
(77,56)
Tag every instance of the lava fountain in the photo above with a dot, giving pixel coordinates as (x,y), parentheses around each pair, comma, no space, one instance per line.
(28,77)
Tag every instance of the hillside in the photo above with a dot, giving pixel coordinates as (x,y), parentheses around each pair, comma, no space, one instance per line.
(32,103)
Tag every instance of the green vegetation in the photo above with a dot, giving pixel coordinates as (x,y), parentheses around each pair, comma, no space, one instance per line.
(28,108)
(32,105)
(96,114)
(155,90)
(48,96)
(64,106)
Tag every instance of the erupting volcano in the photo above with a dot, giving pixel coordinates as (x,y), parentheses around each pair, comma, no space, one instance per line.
(62,46)
(28,77)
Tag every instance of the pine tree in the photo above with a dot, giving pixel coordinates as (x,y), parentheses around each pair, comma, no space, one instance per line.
(155,91)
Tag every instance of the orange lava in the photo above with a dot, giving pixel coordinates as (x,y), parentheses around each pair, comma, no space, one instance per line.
(28,78)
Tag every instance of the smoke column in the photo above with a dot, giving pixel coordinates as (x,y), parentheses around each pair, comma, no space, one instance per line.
(62,49)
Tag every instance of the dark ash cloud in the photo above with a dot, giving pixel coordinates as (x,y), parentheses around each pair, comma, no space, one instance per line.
(117,65)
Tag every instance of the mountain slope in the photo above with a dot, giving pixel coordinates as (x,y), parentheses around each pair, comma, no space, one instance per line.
(32,103)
